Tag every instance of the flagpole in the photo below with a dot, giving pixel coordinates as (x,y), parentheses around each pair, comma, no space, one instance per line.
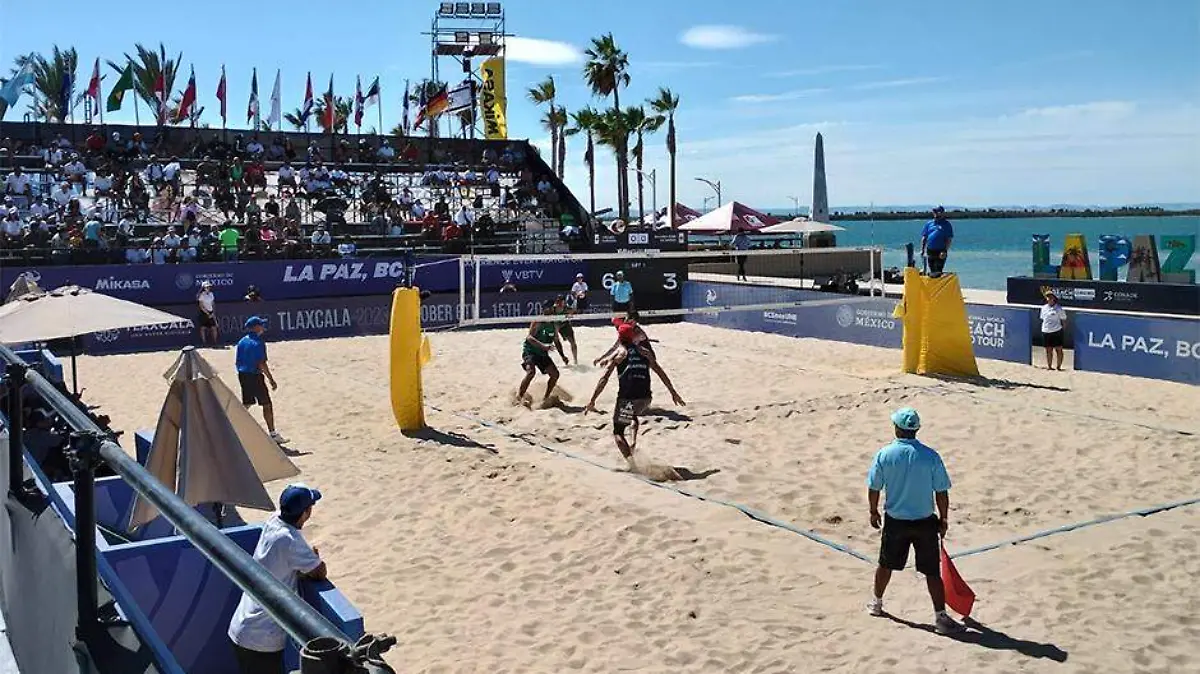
(379,111)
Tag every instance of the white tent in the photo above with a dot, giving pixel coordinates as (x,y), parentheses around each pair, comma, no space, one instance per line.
(207,447)
(801,226)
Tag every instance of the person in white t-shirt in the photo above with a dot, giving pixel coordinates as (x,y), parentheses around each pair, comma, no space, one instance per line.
(258,641)
(17,183)
(1053,318)
(579,289)
(172,239)
(207,302)
(39,209)
(320,236)
(255,148)
(62,195)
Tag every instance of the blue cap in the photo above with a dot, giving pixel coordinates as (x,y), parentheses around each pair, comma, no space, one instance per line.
(254,321)
(296,498)
(939,209)
(906,418)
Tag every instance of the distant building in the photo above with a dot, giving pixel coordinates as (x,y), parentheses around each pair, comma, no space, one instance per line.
(820,202)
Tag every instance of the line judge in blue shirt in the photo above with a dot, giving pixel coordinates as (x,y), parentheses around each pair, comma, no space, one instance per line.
(936,238)
(622,294)
(254,373)
(914,480)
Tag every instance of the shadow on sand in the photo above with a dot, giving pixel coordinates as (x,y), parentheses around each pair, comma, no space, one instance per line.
(998,384)
(981,635)
(451,439)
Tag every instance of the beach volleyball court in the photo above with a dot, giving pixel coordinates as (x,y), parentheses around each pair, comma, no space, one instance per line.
(499,541)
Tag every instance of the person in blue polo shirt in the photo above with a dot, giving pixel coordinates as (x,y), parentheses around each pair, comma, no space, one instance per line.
(254,373)
(936,238)
(622,294)
(914,479)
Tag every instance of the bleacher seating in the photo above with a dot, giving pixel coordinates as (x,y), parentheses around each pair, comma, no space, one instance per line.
(119,197)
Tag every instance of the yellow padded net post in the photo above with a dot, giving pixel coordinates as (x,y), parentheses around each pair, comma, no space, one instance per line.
(410,351)
(937,334)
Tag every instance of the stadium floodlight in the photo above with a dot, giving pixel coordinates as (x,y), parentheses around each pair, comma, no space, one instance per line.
(478,8)
(463,8)
(447,9)
(462,36)
(493,9)
(485,38)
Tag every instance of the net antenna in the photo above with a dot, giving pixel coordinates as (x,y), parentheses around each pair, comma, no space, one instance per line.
(763,280)
(463,35)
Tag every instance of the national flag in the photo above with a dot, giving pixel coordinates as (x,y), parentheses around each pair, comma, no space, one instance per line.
(188,99)
(65,91)
(276,113)
(117,96)
(433,107)
(959,595)
(372,95)
(460,98)
(252,106)
(11,91)
(221,94)
(160,95)
(93,90)
(404,119)
(358,101)
(307,108)
(330,113)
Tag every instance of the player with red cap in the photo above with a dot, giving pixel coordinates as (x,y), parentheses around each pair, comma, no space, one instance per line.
(633,363)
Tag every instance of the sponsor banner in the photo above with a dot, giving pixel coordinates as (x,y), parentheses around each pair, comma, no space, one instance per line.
(998,333)
(493,101)
(1155,348)
(164,285)
(1161,298)
(315,318)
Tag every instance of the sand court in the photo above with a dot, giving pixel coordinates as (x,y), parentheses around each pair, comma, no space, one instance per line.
(484,551)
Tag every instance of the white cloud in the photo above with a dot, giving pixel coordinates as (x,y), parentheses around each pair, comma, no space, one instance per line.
(903,82)
(722,37)
(677,65)
(541,52)
(775,98)
(1097,109)
(823,70)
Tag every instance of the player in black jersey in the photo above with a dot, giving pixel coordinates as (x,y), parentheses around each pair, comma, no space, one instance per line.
(633,363)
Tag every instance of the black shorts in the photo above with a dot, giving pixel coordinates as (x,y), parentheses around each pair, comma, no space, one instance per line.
(626,411)
(1053,339)
(921,535)
(541,361)
(254,389)
(621,307)
(258,662)
(566,331)
(207,320)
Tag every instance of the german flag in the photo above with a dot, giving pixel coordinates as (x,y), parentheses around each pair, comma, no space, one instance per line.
(433,107)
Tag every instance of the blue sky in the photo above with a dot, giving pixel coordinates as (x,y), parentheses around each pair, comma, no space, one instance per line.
(976,103)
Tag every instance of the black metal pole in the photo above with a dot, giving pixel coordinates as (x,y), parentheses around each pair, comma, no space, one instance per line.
(15,412)
(301,621)
(83,464)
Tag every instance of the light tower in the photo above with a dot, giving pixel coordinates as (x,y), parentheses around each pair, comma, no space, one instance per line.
(461,32)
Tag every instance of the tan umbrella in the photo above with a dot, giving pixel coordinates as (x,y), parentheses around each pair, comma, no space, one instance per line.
(207,447)
(71,311)
(801,226)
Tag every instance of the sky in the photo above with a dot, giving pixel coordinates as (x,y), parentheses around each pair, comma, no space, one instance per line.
(968,103)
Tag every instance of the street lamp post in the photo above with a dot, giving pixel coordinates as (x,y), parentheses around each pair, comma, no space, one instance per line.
(706,200)
(716,186)
(652,176)
(795,206)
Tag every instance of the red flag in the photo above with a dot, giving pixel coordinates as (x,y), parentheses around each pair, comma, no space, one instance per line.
(959,595)
(188,99)
(93,90)
(221,94)
(160,93)
(330,113)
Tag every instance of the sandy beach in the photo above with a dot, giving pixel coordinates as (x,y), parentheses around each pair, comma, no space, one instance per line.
(501,540)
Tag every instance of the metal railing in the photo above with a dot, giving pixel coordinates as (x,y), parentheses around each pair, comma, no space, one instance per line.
(324,645)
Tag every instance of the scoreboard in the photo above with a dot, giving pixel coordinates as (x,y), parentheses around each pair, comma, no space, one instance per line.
(657,283)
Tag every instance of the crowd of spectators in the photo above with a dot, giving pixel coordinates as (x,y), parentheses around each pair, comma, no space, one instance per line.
(117,199)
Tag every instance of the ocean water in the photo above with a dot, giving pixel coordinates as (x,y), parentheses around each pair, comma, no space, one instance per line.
(986,252)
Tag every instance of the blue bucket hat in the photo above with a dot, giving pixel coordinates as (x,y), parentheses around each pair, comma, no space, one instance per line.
(255,321)
(906,418)
(296,498)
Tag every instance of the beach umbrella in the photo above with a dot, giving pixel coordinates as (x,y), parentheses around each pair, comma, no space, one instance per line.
(71,311)
(801,226)
(207,447)
(732,217)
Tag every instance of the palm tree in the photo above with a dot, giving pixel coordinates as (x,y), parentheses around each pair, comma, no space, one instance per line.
(544,93)
(612,129)
(585,121)
(560,119)
(343,108)
(146,69)
(665,104)
(606,71)
(295,118)
(641,124)
(48,76)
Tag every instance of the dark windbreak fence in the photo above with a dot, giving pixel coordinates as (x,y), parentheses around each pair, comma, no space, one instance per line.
(327,648)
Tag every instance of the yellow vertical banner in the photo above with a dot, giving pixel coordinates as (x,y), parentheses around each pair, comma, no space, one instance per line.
(493,101)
